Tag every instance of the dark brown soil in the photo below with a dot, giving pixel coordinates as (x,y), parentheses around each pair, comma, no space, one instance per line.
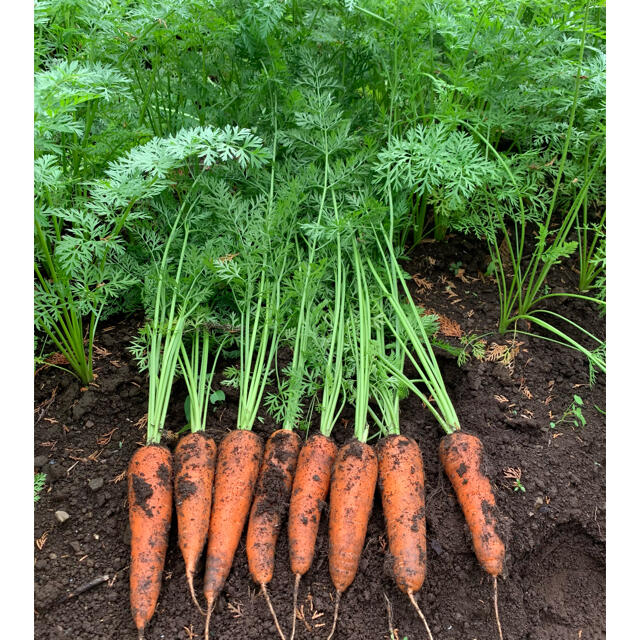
(554,587)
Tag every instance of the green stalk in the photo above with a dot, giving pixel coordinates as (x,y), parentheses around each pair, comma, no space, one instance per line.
(567,341)
(197,377)
(424,360)
(361,342)
(333,379)
(166,335)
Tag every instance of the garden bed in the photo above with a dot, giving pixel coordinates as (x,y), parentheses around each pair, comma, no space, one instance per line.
(554,586)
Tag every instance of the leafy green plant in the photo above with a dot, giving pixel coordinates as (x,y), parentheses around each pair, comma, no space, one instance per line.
(39,480)
(80,258)
(572,414)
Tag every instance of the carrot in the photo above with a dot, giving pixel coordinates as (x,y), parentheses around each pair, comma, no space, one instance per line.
(149,492)
(353,485)
(308,495)
(401,481)
(461,455)
(310,489)
(272,494)
(194,463)
(239,456)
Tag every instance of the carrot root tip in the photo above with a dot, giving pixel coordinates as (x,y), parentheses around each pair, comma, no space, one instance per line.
(193,593)
(417,608)
(495,605)
(295,602)
(263,587)
(335,616)
(208,620)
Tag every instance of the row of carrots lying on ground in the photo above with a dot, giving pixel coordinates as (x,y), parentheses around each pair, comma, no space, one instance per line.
(366,337)
(306,475)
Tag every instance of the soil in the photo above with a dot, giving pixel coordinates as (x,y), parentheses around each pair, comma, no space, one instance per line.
(554,528)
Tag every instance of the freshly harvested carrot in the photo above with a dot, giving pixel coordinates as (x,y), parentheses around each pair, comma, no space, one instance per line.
(401,481)
(353,485)
(239,456)
(461,455)
(149,492)
(194,463)
(310,489)
(271,497)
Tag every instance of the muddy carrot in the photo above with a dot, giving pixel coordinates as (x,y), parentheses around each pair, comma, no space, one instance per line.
(150,468)
(194,463)
(353,484)
(310,490)
(195,454)
(315,462)
(401,482)
(149,492)
(461,455)
(239,457)
(270,501)
(355,470)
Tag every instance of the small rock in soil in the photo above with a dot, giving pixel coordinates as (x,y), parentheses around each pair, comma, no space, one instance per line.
(89,424)
(75,545)
(39,461)
(41,563)
(96,483)
(86,402)
(436,546)
(61,516)
(56,472)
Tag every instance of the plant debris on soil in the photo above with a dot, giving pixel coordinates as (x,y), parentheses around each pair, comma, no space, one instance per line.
(552,512)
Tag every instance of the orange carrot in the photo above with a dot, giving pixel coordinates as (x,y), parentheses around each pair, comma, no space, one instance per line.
(401,480)
(239,456)
(194,463)
(310,489)
(461,455)
(149,492)
(353,485)
(272,495)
